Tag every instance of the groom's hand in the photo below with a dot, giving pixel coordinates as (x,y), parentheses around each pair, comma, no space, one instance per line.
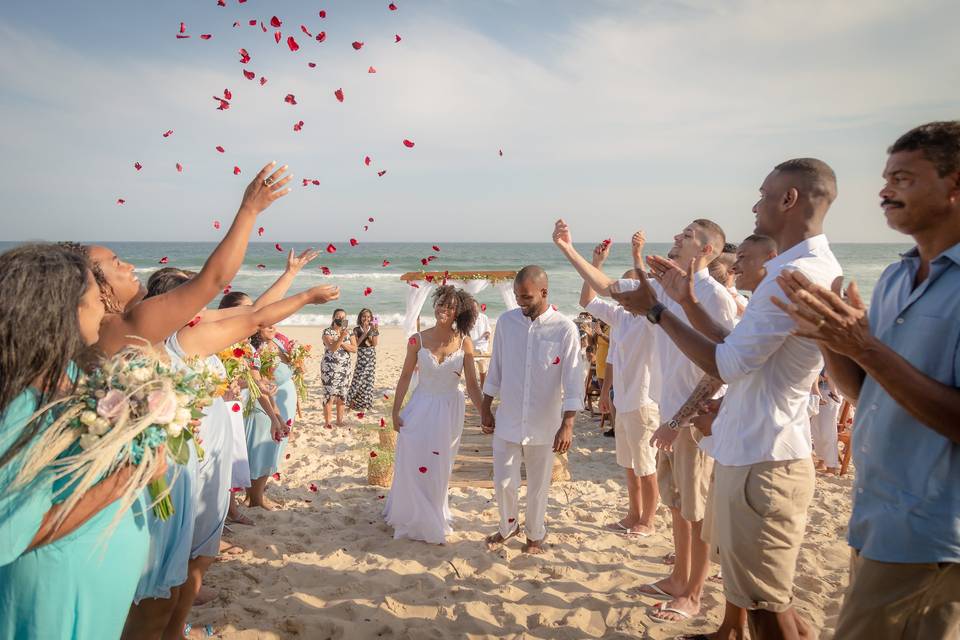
(564,437)
(488,423)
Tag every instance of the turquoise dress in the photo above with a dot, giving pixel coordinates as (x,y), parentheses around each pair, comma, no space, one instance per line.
(79,586)
(170,540)
(263,451)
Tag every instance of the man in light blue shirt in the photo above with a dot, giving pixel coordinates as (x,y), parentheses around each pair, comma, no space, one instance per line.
(901,362)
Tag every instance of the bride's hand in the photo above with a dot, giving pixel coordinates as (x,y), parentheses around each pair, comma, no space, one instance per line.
(397,423)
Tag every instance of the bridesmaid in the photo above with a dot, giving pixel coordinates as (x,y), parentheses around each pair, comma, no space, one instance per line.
(367,335)
(60,575)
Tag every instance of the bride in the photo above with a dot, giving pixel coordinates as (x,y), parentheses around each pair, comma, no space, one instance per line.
(430,425)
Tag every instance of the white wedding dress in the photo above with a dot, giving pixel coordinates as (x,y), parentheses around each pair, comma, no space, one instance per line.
(426,448)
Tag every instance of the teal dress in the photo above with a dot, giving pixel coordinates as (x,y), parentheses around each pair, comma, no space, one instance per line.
(263,451)
(80,586)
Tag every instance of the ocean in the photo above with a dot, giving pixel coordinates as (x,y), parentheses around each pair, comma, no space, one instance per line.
(354,269)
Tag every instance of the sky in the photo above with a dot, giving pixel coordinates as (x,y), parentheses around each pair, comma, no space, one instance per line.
(617,116)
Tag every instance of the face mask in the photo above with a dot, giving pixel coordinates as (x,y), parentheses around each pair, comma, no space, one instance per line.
(339,321)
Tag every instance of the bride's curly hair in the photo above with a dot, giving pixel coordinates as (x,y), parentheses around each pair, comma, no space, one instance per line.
(466,306)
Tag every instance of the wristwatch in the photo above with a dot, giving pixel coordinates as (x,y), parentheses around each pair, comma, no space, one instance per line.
(674,424)
(653,315)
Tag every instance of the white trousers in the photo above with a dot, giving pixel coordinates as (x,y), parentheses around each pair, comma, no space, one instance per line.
(823,428)
(538,460)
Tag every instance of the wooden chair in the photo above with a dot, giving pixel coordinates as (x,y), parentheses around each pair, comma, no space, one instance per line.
(844,435)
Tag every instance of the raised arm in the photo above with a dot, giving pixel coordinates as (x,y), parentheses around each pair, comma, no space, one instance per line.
(207,338)
(600,254)
(637,243)
(282,284)
(592,276)
(156,318)
(403,383)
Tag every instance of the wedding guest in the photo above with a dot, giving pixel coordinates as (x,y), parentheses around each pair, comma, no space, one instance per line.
(760,440)
(338,343)
(633,351)
(62,574)
(367,335)
(533,370)
(900,362)
(683,469)
(480,336)
(823,426)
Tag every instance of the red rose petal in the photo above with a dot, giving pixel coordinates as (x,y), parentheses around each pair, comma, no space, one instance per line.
(137,166)
(252,23)
(164,260)
(205,36)
(431,258)
(369,219)
(366,160)
(275,22)
(235,407)
(236,170)
(483,306)
(276,36)
(227,94)
(249,75)
(276,476)
(286,457)
(360,415)
(216,224)
(325,271)
(436,453)
(244,56)
(554,307)
(179,168)
(260,231)
(428,278)
(183,28)
(180,37)
(422,469)
(501,153)
(219,148)
(221,3)
(353,242)
(238,352)
(315,182)
(290,99)
(382,173)
(194,322)
(371,70)
(383,423)
(397,38)
(414,285)
(278,247)
(313,487)
(366,227)
(436,248)
(292,43)
(321,36)
(121,201)
(412,340)
(367,291)
(556,360)
(226,289)
(357,45)
(261,266)
(331,248)
(304,29)
(312,65)
(511,520)
(297,126)
(290,422)
(263,81)
(386,263)
(263,27)
(168,133)
(322,14)
(408,144)
(339,95)
(392,7)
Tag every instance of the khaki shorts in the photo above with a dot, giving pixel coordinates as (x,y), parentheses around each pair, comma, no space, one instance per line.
(683,475)
(634,430)
(706,531)
(908,601)
(759,517)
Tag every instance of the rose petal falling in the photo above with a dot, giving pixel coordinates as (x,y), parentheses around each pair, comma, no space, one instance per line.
(382,173)
(236,170)
(339,95)
(292,44)
(556,360)
(371,70)
(216,224)
(357,45)
(325,271)
(137,166)
(397,38)
(276,22)
(249,75)
(244,56)
(366,160)
(121,201)
(367,291)
(260,231)
(331,248)
(354,242)
(321,36)
(164,260)
(179,168)
(408,143)
(169,132)
(422,469)
(278,247)
(219,148)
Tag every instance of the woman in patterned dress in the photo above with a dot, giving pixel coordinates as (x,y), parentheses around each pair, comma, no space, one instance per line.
(339,343)
(366,333)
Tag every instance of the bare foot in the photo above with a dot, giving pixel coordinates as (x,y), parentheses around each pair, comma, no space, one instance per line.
(265,503)
(205,595)
(534,547)
(680,609)
(495,540)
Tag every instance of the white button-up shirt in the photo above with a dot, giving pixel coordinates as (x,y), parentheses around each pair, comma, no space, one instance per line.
(770,371)
(480,327)
(632,354)
(535,370)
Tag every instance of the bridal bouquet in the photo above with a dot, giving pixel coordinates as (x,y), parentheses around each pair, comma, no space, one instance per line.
(124,413)
(298,354)
(268,361)
(238,360)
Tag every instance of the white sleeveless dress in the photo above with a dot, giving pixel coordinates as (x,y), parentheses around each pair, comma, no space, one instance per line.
(426,448)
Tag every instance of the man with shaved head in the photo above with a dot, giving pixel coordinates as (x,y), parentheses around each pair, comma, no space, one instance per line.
(534,370)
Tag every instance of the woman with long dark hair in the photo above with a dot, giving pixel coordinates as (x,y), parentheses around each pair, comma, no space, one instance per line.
(62,575)
(432,421)
(367,335)
(338,344)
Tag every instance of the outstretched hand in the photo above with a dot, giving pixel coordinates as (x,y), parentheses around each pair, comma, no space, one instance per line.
(600,253)
(637,242)
(324,293)
(638,301)
(297,262)
(675,281)
(561,234)
(259,195)
(839,324)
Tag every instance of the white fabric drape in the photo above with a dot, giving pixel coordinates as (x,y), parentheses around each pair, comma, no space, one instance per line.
(473,287)
(416,298)
(506,292)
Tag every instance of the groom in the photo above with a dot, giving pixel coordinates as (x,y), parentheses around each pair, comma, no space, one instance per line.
(534,369)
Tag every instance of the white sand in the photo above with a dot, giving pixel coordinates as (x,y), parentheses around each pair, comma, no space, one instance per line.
(326,566)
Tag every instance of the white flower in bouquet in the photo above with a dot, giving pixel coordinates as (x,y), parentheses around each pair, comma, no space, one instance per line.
(88,418)
(88,440)
(174,429)
(100,426)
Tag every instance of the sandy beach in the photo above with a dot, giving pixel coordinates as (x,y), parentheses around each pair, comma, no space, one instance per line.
(324,565)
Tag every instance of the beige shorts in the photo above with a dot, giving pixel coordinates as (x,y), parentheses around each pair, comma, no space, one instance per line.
(759,517)
(683,475)
(908,601)
(706,531)
(634,430)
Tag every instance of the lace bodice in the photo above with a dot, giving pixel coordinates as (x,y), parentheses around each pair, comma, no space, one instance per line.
(439,377)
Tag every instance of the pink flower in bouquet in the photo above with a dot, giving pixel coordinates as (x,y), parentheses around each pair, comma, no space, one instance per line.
(163,404)
(112,405)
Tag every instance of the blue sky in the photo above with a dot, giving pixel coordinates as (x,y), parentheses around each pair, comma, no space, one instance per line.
(614,115)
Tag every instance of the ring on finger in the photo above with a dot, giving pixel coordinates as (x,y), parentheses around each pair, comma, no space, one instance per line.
(268,181)
(821,322)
